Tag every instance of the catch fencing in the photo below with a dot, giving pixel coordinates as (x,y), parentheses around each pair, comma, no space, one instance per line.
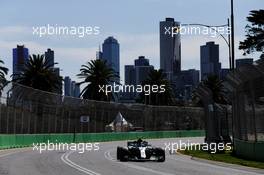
(246,85)
(24,110)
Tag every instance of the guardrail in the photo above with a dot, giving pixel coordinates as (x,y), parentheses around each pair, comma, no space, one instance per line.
(25,140)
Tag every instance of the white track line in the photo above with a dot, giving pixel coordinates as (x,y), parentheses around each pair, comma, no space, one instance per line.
(10,153)
(109,157)
(7,154)
(65,159)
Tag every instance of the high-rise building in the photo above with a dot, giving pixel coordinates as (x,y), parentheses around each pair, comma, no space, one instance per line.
(185,82)
(142,69)
(130,75)
(77,90)
(243,62)
(111,53)
(73,83)
(71,88)
(57,72)
(136,74)
(223,73)
(20,58)
(141,61)
(49,55)
(170,47)
(142,73)
(209,60)
(67,86)
(99,53)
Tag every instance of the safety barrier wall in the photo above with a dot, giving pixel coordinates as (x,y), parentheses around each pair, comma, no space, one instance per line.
(249,150)
(24,140)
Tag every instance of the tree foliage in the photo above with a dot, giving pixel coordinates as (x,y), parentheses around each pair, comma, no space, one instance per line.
(217,88)
(157,77)
(254,41)
(3,73)
(39,73)
(96,74)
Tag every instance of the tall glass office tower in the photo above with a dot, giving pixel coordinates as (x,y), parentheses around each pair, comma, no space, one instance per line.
(209,58)
(20,58)
(170,48)
(111,53)
(49,55)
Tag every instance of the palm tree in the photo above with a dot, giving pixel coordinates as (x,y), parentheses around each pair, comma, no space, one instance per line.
(217,88)
(96,74)
(3,73)
(254,41)
(39,74)
(157,77)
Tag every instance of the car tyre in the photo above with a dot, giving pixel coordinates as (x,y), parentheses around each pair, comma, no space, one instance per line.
(162,156)
(121,154)
(118,152)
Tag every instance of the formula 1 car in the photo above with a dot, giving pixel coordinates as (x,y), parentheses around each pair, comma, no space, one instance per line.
(139,151)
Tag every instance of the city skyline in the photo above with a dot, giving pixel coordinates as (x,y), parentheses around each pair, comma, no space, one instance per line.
(132,87)
(71,52)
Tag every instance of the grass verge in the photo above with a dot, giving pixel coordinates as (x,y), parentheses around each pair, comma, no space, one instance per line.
(226,157)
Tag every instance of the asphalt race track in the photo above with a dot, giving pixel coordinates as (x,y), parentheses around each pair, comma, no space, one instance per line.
(103,162)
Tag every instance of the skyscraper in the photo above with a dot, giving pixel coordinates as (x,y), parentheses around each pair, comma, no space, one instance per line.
(136,74)
(185,82)
(111,53)
(142,69)
(20,58)
(57,72)
(77,90)
(67,86)
(99,53)
(223,73)
(209,59)
(49,55)
(73,83)
(130,76)
(71,88)
(141,61)
(170,48)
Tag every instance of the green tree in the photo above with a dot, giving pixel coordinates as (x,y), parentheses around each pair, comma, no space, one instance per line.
(3,73)
(157,77)
(254,41)
(39,74)
(96,74)
(217,88)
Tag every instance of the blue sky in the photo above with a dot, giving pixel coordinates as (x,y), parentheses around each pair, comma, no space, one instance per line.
(134,23)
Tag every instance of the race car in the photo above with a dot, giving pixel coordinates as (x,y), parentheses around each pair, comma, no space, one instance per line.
(140,151)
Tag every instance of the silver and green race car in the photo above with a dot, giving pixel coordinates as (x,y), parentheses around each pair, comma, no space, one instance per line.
(140,151)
